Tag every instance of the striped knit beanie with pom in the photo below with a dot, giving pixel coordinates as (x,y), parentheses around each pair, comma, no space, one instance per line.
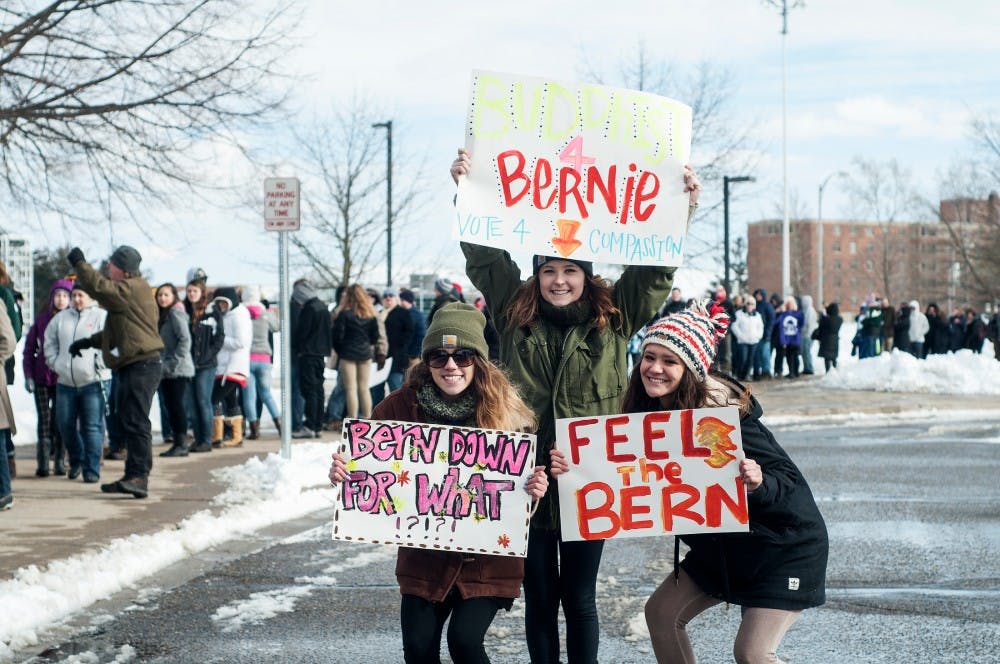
(693,334)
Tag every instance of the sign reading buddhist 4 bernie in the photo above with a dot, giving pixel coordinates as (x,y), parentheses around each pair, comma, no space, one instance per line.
(587,172)
(646,474)
(435,487)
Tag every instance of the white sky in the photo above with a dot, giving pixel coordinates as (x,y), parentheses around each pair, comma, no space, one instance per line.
(879,79)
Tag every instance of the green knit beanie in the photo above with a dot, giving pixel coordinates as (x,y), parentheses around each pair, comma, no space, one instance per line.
(457,325)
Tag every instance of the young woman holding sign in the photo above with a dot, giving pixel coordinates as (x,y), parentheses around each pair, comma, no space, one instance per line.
(778,568)
(456,385)
(564,334)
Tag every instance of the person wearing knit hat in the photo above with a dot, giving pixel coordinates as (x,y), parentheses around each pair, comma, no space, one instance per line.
(130,345)
(454,385)
(778,568)
(563,336)
(444,292)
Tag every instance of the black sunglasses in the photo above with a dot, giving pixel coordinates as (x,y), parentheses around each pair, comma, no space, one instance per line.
(463,357)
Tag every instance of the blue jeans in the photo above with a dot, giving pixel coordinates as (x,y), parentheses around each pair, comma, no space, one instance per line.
(80,418)
(807,355)
(762,358)
(201,404)
(396,380)
(4,467)
(743,360)
(259,389)
(336,405)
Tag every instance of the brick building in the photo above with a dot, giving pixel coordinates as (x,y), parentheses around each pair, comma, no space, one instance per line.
(900,260)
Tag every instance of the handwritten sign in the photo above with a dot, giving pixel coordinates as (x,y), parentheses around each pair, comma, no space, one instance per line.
(584,171)
(436,487)
(646,474)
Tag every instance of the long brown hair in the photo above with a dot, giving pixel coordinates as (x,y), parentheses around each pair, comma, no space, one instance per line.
(197,309)
(691,392)
(523,308)
(357,300)
(498,405)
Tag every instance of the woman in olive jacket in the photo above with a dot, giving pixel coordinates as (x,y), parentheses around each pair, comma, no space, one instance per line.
(778,568)
(455,384)
(563,337)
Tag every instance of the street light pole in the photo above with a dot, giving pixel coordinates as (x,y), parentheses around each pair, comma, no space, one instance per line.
(387,125)
(819,230)
(726,180)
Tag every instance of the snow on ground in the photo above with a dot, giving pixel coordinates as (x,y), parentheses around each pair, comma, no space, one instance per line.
(260,492)
(962,372)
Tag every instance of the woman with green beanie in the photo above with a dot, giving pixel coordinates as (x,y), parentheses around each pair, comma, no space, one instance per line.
(454,384)
(564,337)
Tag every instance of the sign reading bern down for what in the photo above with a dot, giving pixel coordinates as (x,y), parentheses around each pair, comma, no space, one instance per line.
(587,172)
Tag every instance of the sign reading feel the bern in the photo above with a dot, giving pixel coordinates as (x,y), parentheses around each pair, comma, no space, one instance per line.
(435,487)
(646,474)
(587,172)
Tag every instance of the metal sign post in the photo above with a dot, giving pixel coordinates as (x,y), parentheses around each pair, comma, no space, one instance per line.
(281,214)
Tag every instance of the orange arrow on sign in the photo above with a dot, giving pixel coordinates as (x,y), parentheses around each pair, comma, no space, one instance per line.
(566,242)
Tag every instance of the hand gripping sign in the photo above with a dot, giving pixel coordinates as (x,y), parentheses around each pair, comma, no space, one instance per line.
(435,487)
(647,474)
(587,172)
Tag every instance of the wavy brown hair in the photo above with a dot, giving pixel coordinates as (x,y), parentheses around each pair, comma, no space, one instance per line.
(523,308)
(197,309)
(356,299)
(498,405)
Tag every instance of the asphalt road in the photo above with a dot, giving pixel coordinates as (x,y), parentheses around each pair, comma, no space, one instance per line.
(912,512)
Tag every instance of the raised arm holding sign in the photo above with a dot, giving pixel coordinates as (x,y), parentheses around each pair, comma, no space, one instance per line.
(564,331)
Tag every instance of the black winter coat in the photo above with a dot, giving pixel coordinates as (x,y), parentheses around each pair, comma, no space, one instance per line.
(781,562)
(828,334)
(353,338)
(399,334)
(311,330)
(207,336)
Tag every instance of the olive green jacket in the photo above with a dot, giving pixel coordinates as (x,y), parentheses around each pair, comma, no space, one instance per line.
(587,376)
(131,332)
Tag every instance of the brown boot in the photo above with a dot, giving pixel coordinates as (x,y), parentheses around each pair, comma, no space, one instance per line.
(237,439)
(218,423)
(254,430)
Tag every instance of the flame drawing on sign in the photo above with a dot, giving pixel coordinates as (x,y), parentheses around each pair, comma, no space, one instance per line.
(713,433)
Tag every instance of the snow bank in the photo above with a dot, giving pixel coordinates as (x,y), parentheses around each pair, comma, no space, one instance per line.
(962,372)
(260,492)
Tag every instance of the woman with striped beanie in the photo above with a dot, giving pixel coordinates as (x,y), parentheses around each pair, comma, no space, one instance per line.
(775,570)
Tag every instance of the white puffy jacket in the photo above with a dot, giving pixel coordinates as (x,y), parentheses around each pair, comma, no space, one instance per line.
(748,328)
(234,357)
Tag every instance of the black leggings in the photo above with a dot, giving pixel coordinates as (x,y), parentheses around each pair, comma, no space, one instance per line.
(173,400)
(226,398)
(423,621)
(554,572)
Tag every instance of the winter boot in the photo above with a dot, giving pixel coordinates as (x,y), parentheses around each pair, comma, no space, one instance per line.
(277,424)
(237,439)
(218,425)
(254,430)
(42,449)
(178,449)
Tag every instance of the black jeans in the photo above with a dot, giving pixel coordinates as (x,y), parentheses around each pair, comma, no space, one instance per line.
(136,386)
(561,572)
(311,385)
(173,390)
(422,621)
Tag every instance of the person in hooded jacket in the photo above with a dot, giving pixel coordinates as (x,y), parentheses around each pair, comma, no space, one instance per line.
(748,330)
(936,339)
(563,338)
(207,337)
(232,366)
(83,383)
(828,335)
(809,322)
(311,344)
(40,381)
(762,356)
(919,327)
(778,568)
(178,367)
(789,327)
